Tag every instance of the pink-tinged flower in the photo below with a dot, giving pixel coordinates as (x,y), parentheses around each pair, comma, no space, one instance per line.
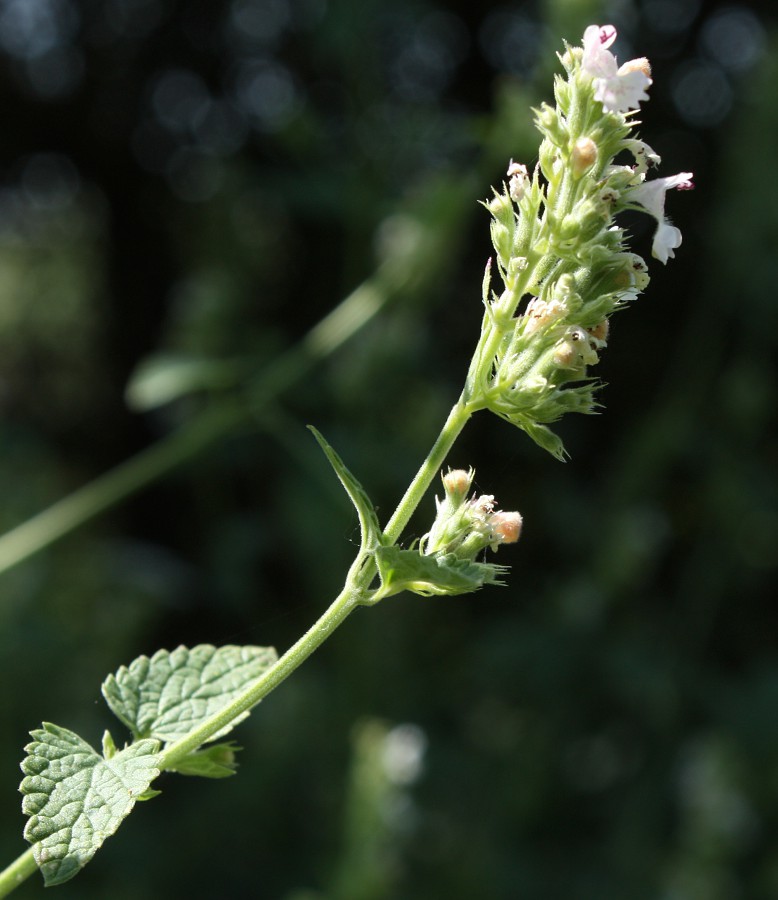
(651,196)
(622,92)
(598,61)
(505,527)
(618,89)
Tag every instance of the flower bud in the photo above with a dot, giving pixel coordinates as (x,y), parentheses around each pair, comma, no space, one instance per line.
(541,312)
(519,181)
(599,333)
(575,351)
(506,527)
(499,206)
(502,241)
(584,155)
(456,483)
(552,125)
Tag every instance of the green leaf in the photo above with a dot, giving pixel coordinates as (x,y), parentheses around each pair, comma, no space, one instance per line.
(437,575)
(76,799)
(167,696)
(368,520)
(217,761)
(159,380)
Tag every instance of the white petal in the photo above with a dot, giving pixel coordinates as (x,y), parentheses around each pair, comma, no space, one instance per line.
(666,238)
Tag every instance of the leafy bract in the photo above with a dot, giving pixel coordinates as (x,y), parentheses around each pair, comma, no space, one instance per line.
(368,520)
(173,692)
(437,575)
(216,761)
(76,798)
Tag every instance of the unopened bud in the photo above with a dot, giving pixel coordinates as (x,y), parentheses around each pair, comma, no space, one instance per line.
(636,65)
(541,312)
(566,355)
(456,483)
(499,206)
(575,351)
(506,527)
(600,332)
(584,155)
(519,181)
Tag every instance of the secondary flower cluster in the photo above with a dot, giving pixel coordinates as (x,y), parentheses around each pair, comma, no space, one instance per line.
(560,254)
(446,561)
(464,525)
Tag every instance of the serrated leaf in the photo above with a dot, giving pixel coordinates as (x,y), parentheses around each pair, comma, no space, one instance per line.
(76,799)
(167,696)
(217,761)
(436,575)
(368,520)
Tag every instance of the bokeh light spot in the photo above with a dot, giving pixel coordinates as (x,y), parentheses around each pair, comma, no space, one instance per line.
(702,94)
(735,38)
(511,41)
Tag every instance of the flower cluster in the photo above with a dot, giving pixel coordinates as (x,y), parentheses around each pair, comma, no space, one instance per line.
(445,561)
(464,525)
(560,253)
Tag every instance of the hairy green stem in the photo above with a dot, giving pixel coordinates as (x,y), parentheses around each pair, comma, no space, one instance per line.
(452,428)
(109,489)
(356,591)
(19,870)
(344,604)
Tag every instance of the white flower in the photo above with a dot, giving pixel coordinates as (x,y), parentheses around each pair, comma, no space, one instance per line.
(666,239)
(618,89)
(519,181)
(598,61)
(622,92)
(644,155)
(651,196)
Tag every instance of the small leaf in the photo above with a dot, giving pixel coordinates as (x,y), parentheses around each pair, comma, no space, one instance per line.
(167,696)
(109,745)
(217,761)
(368,520)
(76,799)
(441,574)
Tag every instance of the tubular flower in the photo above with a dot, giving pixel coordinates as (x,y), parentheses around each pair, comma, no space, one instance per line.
(618,89)
(651,196)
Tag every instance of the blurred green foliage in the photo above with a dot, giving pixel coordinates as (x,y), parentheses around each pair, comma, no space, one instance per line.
(207,180)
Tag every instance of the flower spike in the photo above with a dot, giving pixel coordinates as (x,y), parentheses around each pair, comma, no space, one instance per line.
(560,251)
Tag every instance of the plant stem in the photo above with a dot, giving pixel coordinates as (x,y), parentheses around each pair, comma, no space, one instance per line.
(128,477)
(354,593)
(452,428)
(19,870)
(344,604)
(89,501)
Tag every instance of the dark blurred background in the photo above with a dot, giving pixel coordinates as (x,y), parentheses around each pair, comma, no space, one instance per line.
(187,186)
